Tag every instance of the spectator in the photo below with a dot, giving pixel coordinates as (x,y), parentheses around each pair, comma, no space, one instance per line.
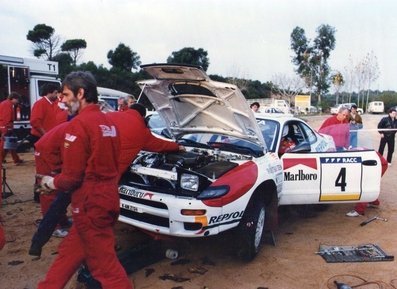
(356,123)
(337,126)
(122,104)
(130,100)
(388,125)
(255,106)
(90,171)
(44,111)
(7,114)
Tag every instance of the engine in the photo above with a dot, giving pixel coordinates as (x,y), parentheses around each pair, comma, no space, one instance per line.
(161,171)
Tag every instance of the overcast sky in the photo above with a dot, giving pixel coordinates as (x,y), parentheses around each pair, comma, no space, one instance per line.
(243,38)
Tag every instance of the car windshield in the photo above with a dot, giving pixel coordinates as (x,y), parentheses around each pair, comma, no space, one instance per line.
(222,142)
(269,130)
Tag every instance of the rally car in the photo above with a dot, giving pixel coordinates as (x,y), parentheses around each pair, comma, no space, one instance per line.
(233,174)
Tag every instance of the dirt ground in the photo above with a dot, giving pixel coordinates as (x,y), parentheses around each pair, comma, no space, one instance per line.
(209,263)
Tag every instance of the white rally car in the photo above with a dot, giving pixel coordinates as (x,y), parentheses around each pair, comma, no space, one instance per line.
(233,175)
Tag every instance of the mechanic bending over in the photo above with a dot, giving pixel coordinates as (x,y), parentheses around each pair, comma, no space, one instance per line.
(90,171)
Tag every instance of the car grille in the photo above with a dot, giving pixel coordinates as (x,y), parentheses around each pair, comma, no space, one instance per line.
(144,217)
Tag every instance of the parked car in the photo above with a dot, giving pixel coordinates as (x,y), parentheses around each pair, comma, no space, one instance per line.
(231,176)
(335,109)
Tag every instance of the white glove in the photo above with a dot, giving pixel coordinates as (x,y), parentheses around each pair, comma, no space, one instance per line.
(47,184)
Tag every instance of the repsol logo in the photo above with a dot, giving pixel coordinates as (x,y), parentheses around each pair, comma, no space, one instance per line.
(225,217)
(300,176)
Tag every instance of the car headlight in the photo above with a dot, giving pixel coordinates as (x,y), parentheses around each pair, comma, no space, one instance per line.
(190,182)
(213,192)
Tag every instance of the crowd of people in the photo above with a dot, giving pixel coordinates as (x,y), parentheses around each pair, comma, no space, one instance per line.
(343,128)
(80,154)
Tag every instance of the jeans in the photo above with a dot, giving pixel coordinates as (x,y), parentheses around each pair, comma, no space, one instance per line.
(51,219)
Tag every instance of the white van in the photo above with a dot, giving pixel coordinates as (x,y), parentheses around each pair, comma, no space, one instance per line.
(110,96)
(376,107)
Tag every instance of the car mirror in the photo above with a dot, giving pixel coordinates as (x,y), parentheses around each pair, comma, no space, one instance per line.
(303,147)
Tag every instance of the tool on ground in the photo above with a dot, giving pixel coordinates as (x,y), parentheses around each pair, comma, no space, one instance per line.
(372,219)
(341,285)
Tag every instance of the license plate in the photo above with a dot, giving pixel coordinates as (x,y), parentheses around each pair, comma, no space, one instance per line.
(131,208)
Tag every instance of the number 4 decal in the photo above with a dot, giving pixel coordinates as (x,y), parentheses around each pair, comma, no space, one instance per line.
(341,179)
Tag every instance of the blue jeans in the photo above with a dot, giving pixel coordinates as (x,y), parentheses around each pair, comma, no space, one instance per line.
(51,219)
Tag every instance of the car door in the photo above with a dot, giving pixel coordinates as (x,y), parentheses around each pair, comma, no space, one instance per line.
(330,177)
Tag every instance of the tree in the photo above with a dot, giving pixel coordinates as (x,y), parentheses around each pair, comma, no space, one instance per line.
(45,43)
(311,58)
(287,87)
(123,58)
(74,46)
(65,64)
(191,56)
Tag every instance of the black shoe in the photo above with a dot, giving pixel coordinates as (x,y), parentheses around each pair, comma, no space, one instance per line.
(35,250)
(36,197)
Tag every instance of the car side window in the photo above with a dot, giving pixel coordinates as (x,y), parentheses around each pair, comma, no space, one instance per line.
(310,135)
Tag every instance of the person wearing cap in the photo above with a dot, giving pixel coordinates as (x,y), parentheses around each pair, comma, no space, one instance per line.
(7,125)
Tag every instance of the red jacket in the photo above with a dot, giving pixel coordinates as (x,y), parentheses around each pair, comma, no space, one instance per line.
(90,153)
(43,116)
(48,151)
(136,136)
(6,115)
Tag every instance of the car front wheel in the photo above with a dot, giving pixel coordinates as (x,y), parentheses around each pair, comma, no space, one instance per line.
(250,232)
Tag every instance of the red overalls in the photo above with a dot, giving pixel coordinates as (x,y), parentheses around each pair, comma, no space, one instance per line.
(48,159)
(90,170)
(136,136)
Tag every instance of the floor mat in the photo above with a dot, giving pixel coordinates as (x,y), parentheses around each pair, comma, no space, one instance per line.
(360,253)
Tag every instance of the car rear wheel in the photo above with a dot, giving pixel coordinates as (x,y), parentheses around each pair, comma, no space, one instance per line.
(250,231)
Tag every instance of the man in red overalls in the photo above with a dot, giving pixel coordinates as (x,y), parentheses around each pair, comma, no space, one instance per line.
(136,136)
(90,171)
(7,124)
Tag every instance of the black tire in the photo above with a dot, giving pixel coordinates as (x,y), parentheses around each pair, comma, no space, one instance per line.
(250,230)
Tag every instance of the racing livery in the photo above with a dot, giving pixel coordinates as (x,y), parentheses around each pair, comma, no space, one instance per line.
(233,174)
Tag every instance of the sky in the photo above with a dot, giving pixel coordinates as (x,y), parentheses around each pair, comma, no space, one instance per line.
(244,38)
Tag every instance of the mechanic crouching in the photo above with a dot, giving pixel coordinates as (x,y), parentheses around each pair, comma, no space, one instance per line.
(90,171)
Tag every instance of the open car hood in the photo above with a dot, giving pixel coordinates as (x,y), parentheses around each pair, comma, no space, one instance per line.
(190,102)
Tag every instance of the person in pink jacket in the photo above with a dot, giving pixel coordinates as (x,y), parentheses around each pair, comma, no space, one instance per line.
(90,172)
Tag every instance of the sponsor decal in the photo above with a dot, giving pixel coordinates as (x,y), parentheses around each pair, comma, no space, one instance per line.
(309,162)
(341,160)
(300,176)
(108,131)
(134,193)
(225,217)
(274,169)
(70,137)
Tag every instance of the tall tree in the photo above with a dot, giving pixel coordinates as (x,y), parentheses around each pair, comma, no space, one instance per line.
(311,58)
(45,43)
(124,58)
(189,55)
(74,46)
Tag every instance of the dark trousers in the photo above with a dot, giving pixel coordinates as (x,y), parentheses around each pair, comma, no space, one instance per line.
(51,219)
(389,140)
